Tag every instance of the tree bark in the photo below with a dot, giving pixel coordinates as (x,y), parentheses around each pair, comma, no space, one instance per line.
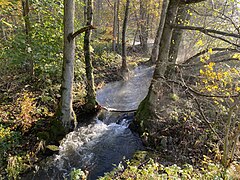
(182,17)
(118,24)
(67,113)
(155,49)
(143,36)
(124,68)
(136,32)
(147,109)
(91,94)
(85,12)
(25,6)
(115,21)
(3,34)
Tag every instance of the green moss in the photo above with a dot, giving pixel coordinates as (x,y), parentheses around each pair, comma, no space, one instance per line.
(43,135)
(57,130)
(143,115)
(138,158)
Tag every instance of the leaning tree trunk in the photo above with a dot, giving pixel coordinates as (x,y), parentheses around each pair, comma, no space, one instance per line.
(25,6)
(91,94)
(155,49)
(182,17)
(147,109)
(67,113)
(124,69)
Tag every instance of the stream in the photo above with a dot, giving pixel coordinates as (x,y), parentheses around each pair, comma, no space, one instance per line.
(97,147)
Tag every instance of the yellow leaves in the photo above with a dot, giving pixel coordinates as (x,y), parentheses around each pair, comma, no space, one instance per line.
(219,76)
(189,12)
(200,43)
(234,70)
(202,59)
(210,66)
(186,23)
(219,81)
(238,89)
(210,51)
(236,55)
(5,3)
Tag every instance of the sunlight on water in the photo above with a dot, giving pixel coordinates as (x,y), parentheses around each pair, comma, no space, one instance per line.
(126,95)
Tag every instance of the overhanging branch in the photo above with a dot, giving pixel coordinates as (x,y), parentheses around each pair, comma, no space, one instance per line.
(191,1)
(84,29)
(205,63)
(204,30)
(206,50)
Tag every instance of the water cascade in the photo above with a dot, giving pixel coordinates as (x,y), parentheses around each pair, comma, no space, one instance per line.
(107,141)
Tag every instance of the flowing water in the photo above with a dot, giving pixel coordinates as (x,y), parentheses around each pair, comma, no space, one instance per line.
(126,95)
(107,141)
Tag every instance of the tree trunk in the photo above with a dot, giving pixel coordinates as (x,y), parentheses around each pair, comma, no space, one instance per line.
(85,12)
(3,34)
(124,68)
(115,19)
(118,24)
(147,109)
(182,17)
(136,32)
(25,6)
(91,94)
(143,36)
(155,49)
(67,113)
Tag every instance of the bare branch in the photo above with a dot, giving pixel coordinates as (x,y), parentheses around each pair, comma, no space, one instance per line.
(191,1)
(222,39)
(202,64)
(205,31)
(206,50)
(206,120)
(84,29)
(190,89)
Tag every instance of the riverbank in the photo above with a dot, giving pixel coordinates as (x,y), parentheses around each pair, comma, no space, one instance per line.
(29,131)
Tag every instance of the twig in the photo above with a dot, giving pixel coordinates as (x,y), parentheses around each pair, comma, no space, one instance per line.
(201,94)
(206,120)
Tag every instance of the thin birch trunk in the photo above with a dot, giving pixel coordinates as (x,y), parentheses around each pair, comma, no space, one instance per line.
(67,113)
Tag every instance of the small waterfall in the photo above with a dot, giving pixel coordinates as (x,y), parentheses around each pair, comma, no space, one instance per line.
(96,147)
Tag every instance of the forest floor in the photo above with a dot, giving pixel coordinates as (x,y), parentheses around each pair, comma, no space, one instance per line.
(28,129)
(29,132)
